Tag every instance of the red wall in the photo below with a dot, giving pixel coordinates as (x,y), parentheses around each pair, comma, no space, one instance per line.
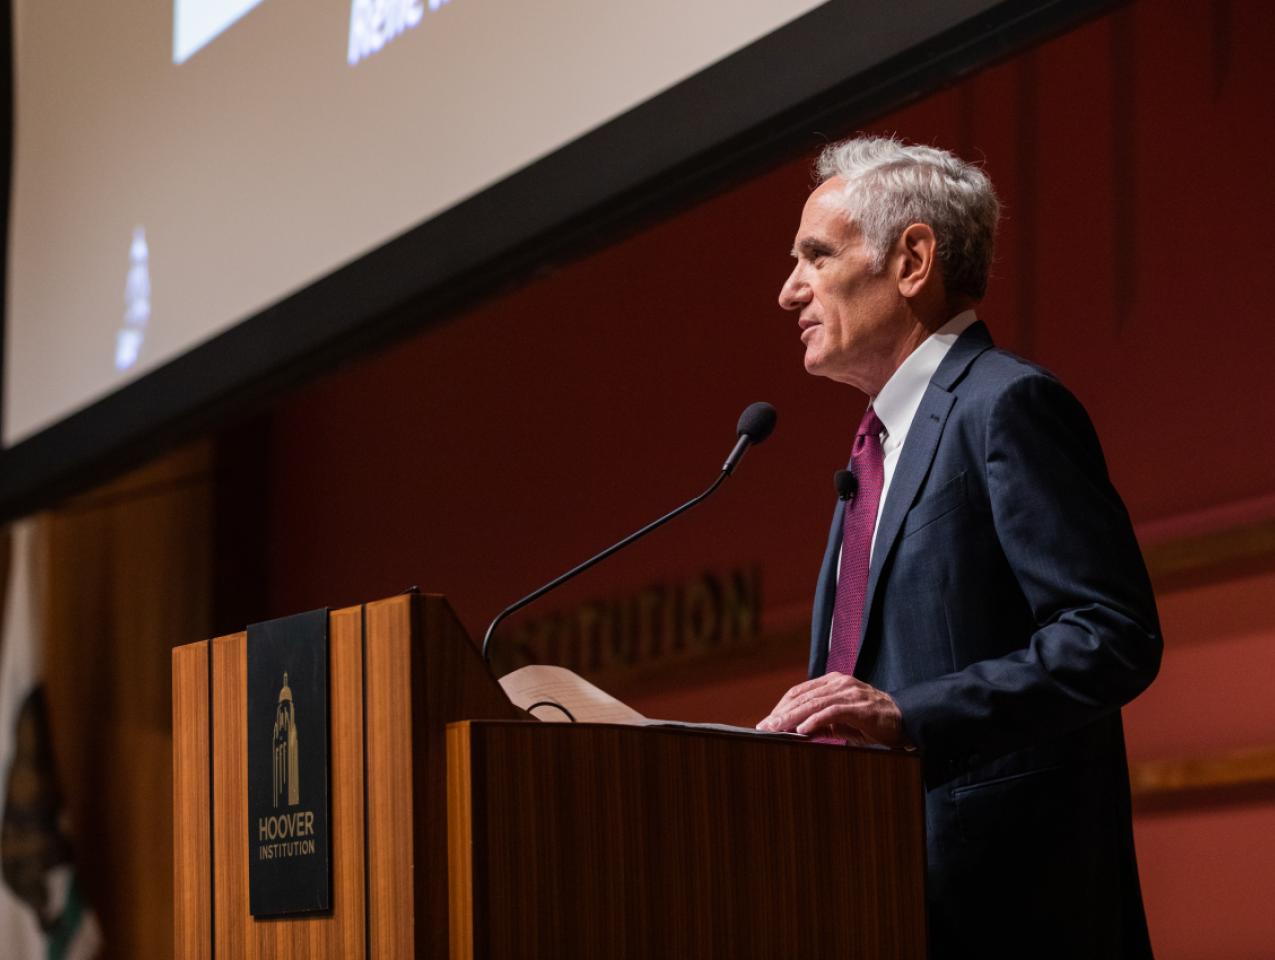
(482,457)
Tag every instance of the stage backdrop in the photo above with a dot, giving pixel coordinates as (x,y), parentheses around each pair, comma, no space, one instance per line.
(486,456)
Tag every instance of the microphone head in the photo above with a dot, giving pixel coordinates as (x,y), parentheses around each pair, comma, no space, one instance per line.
(756,422)
(847,484)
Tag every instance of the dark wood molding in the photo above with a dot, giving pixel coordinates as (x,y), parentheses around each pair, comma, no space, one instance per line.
(1210,557)
(1238,776)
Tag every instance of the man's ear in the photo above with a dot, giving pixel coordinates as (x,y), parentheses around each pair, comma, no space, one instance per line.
(916,257)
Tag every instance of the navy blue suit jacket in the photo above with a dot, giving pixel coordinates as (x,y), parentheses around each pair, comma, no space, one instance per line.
(1010,616)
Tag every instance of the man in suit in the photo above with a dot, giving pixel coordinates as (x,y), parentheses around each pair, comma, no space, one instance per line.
(982,598)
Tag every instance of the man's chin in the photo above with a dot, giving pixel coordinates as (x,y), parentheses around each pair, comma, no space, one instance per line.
(819,365)
(815,363)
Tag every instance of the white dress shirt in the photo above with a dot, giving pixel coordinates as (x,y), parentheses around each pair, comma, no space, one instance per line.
(899,399)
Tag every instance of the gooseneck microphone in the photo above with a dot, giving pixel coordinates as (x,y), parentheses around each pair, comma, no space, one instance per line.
(847,484)
(755,425)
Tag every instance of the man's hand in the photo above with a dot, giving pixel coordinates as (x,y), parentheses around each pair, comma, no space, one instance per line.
(839,707)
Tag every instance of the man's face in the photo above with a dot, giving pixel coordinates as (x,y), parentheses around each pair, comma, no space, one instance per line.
(848,316)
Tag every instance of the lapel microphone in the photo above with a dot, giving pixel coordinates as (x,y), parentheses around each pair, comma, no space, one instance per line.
(846,483)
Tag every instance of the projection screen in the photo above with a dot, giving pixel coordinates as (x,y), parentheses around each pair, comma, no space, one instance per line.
(228,152)
(206,191)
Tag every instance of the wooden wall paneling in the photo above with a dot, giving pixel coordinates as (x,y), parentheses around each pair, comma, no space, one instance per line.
(125,579)
(192,813)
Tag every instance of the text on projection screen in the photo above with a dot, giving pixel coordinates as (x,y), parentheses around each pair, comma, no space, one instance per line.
(247,148)
(373,23)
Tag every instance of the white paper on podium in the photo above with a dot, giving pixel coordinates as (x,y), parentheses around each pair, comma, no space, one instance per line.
(587,703)
(541,683)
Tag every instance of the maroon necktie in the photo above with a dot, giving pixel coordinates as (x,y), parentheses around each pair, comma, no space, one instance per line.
(860,523)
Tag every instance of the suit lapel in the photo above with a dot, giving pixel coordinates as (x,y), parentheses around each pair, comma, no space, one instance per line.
(922,441)
(826,595)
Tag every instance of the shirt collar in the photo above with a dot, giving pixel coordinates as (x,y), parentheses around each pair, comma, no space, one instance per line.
(898,400)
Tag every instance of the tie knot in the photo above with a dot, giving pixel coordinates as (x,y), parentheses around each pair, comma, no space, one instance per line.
(870,425)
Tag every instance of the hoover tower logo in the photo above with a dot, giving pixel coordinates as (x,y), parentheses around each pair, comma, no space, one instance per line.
(289,846)
(287,781)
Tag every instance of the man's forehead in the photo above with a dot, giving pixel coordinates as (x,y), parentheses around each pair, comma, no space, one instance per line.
(824,214)
(828,195)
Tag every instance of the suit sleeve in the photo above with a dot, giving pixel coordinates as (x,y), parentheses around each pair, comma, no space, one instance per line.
(1070,547)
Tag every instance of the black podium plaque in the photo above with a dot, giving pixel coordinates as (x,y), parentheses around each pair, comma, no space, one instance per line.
(289,837)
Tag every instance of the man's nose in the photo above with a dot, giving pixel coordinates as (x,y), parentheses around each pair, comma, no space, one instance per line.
(795,293)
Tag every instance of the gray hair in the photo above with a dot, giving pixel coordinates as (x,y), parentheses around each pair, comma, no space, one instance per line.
(891,184)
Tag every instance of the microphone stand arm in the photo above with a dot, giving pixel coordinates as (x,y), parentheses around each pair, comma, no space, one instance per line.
(575,571)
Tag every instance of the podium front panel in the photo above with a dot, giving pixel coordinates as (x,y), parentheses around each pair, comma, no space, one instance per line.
(586,840)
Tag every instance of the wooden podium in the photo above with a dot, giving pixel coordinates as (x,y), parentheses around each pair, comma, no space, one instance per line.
(461,828)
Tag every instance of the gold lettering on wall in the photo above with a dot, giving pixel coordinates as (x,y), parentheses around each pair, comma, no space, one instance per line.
(659,624)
